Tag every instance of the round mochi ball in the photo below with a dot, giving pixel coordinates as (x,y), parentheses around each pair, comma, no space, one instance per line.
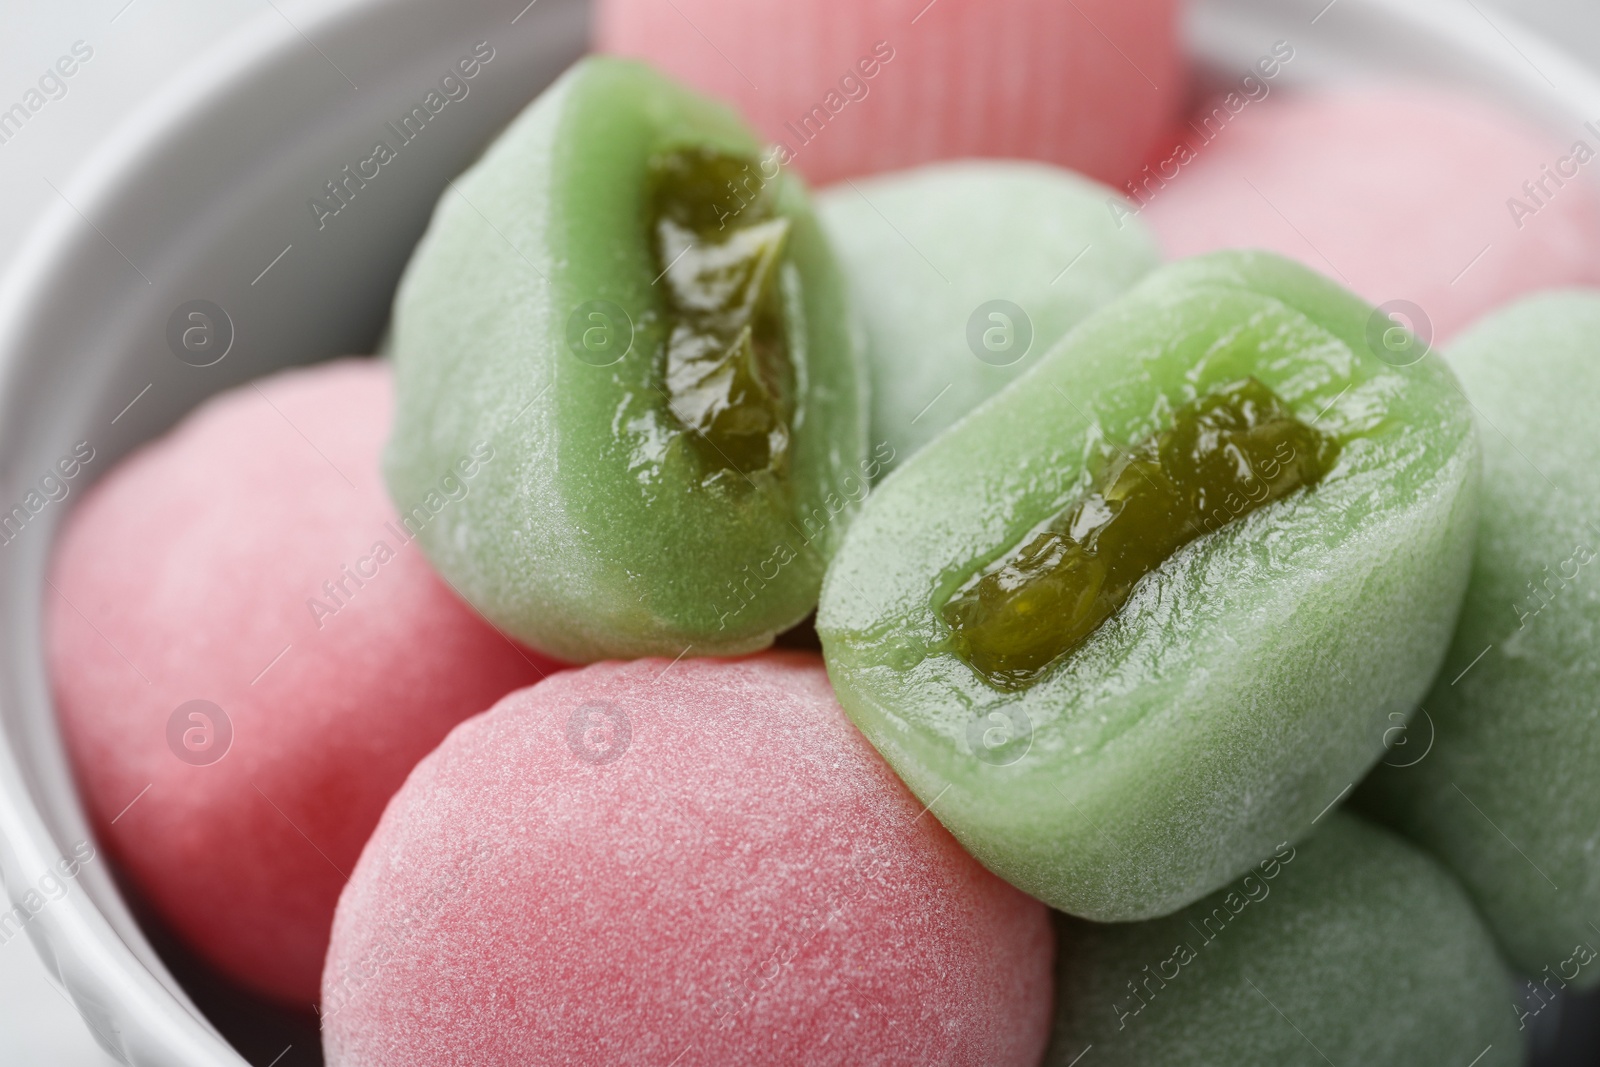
(1404,194)
(1496,776)
(1350,947)
(693,863)
(963,274)
(248,657)
(848,88)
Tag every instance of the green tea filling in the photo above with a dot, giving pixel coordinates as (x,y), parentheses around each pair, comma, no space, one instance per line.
(1236,449)
(726,373)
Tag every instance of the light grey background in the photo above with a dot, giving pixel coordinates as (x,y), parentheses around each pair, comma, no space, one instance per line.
(136,45)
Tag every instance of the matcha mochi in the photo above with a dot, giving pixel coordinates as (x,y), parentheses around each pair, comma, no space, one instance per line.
(1150,610)
(648,325)
(966,273)
(1499,778)
(1351,947)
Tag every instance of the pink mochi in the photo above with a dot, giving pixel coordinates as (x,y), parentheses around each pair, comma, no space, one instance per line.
(856,86)
(195,571)
(1401,193)
(697,864)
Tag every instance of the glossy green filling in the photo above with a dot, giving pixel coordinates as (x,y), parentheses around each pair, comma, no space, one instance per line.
(1236,449)
(726,370)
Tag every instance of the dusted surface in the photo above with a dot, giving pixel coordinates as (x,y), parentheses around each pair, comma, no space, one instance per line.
(603,532)
(852,88)
(1401,193)
(1249,679)
(926,252)
(195,571)
(700,862)
(1499,779)
(1349,948)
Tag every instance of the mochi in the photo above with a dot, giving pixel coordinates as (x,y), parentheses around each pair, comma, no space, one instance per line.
(1496,775)
(964,274)
(1350,947)
(249,654)
(1119,721)
(700,862)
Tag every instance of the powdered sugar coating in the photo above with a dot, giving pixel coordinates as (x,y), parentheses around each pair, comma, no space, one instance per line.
(1348,948)
(858,88)
(600,532)
(732,877)
(1498,779)
(1041,237)
(1248,680)
(196,571)
(1398,192)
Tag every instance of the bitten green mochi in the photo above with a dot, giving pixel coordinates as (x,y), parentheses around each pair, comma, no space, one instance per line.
(1350,948)
(930,254)
(1501,778)
(1248,680)
(642,327)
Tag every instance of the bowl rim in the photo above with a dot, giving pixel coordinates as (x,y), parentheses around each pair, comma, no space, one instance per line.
(89,942)
(132,1005)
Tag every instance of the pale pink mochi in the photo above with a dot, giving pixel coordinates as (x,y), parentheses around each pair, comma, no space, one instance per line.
(1401,193)
(857,86)
(190,573)
(700,864)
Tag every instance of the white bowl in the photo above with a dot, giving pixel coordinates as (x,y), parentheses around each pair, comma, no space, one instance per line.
(205,194)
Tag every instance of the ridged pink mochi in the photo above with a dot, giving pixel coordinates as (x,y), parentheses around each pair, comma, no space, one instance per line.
(250,561)
(857,86)
(691,864)
(1403,194)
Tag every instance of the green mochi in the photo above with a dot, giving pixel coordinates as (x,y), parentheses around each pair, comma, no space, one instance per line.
(924,250)
(1351,948)
(592,528)
(1248,681)
(1501,778)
